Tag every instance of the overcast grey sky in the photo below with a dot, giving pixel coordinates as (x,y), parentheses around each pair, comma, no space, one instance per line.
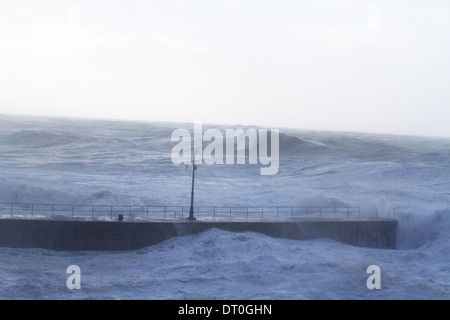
(371,66)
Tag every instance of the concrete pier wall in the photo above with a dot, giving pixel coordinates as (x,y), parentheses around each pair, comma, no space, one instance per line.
(129,235)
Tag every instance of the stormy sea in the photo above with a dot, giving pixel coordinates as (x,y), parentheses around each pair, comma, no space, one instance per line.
(109,162)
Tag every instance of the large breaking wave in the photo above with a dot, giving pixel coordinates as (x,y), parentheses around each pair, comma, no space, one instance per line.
(68,161)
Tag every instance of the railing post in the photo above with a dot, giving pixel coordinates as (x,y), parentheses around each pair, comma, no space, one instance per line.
(52,209)
(12,206)
(147,212)
(292,212)
(214,213)
(73,208)
(246,214)
(129,211)
(111,211)
(320,212)
(92,208)
(230,211)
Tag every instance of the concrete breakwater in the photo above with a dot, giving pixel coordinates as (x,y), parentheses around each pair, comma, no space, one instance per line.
(130,235)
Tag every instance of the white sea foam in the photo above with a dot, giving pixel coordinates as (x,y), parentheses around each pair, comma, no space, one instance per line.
(128,163)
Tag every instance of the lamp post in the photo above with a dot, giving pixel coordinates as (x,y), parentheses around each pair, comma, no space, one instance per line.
(191,210)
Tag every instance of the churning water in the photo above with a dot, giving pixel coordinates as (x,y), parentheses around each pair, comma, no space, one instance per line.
(67,161)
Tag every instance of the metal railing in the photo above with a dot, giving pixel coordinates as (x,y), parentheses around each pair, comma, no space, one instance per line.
(172,212)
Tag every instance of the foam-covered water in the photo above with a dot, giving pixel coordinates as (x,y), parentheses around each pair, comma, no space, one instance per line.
(70,161)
